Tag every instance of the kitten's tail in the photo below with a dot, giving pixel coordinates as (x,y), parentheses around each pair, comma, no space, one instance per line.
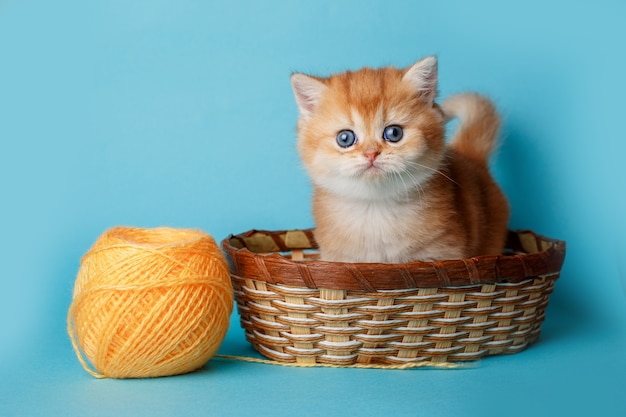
(477,133)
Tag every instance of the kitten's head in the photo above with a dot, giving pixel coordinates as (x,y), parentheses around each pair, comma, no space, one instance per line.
(373,133)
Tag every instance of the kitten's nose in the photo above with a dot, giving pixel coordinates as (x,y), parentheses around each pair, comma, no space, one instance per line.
(371,155)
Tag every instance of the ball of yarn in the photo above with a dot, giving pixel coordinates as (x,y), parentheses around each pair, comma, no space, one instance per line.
(150,302)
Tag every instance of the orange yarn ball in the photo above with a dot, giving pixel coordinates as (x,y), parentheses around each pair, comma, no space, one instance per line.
(150,302)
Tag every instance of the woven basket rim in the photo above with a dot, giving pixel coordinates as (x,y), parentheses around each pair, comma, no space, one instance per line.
(529,255)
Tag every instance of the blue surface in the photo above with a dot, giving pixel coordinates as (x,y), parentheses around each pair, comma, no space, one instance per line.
(180,113)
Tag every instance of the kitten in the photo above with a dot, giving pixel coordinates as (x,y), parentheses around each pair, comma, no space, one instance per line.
(387,188)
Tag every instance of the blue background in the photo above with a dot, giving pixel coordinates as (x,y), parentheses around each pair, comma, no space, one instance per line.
(180,113)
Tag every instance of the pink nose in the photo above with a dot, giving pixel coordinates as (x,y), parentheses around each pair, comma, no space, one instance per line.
(371,155)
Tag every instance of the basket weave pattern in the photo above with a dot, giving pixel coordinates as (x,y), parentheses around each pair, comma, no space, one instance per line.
(388,314)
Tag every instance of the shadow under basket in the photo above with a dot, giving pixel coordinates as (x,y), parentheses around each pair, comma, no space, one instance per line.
(295,308)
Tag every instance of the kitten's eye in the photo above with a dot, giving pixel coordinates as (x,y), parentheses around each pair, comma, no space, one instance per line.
(393,133)
(346,138)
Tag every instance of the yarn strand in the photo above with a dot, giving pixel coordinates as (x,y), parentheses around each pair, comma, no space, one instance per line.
(408,365)
(79,352)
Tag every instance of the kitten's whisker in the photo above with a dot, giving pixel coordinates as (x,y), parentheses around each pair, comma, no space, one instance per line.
(405,175)
(402,183)
(434,170)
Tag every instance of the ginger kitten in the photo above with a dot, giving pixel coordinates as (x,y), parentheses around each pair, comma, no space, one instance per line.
(387,188)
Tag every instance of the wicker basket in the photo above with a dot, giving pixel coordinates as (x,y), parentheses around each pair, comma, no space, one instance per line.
(295,308)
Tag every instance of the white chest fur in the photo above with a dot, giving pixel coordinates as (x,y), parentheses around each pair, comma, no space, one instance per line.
(372,231)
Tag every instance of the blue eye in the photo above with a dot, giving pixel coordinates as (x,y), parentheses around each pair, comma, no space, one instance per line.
(346,138)
(393,133)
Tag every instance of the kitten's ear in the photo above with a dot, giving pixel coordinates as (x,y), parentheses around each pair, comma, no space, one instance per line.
(308,91)
(423,77)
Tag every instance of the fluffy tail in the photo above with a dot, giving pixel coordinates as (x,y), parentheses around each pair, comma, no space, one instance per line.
(477,133)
